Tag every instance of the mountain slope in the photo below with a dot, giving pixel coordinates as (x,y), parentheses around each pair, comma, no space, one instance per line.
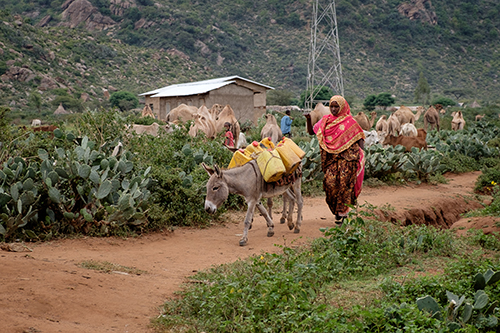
(138,45)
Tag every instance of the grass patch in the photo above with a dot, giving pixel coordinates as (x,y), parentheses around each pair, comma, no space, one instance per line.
(362,277)
(108,267)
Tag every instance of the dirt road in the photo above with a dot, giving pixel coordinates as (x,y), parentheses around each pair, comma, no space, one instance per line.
(45,290)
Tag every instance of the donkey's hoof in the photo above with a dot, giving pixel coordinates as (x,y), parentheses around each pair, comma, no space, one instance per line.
(282,220)
(270,233)
(291,226)
(296,231)
(243,242)
(250,227)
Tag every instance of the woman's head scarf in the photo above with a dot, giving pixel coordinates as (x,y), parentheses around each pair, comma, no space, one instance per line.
(337,133)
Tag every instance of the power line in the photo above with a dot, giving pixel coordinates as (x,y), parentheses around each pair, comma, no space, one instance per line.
(323,68)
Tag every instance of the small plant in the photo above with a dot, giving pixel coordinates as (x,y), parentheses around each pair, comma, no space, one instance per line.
(481,312)
(107,267)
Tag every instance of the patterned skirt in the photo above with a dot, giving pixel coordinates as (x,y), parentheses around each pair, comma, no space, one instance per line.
(340,178)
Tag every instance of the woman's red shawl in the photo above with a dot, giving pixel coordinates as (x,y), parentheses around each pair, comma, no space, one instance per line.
(337,133)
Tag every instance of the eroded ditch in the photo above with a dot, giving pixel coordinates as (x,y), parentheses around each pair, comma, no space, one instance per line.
(440,213)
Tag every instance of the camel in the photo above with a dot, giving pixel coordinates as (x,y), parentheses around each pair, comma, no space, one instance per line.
(480,116)
(147,112)
(394,126)
(458,122)
(319,111)
(365,122)
(248,182)
(431,117)
(227,115)
(382,125)
(408,129)
(152,129)
(405,115)
(182,113)
(215,110)
(420,111)
(271,129)
(406,141)
(203,123)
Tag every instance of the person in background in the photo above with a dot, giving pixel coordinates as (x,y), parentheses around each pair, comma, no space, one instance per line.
(286,124)
(229,141)
(341,142)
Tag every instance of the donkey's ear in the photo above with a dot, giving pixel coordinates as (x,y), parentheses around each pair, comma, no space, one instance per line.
(208,169)
(218,172)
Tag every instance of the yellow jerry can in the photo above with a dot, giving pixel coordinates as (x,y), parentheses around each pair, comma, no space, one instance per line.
(293,146)
(239,159)
(270,165)
(290,160)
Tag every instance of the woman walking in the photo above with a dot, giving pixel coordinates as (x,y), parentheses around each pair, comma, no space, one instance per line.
(341,142)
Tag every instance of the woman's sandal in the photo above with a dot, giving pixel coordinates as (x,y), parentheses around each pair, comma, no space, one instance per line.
(340,221)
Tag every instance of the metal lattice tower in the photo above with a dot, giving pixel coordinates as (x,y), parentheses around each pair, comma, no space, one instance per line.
(323,67)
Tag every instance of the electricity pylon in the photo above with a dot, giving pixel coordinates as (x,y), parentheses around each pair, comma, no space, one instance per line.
(323,68)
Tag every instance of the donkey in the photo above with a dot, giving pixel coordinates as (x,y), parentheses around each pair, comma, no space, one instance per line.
(247,181)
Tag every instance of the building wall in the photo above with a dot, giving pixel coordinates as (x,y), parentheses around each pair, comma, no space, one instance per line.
(239,98)
(259,102)
(246,104)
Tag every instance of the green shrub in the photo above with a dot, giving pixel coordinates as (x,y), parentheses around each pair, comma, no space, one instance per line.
(124,100)
(488,180)
(444,101)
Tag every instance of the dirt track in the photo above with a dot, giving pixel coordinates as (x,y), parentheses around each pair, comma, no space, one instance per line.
(46,291)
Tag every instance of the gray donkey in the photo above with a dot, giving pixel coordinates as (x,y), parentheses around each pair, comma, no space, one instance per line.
(247,181)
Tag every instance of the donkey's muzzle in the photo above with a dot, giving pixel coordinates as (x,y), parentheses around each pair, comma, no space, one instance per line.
(210,207)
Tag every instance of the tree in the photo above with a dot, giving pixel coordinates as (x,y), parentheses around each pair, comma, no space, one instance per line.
(370,102)
(384,99)
(458,92)
(423,91)
(444,101)
(321,93)
(124,100)
(279,97)
(36,99)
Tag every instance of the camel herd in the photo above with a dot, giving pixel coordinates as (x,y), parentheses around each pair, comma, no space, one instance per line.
(209,121)
(388,130)
(400,123)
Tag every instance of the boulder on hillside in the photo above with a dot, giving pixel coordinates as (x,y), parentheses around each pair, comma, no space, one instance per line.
(78,11)
(118,7)
(44,21)
(418,10)
(84,97)
(20,74)
(48,83)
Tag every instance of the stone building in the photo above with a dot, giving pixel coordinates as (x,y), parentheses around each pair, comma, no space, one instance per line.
(247,98)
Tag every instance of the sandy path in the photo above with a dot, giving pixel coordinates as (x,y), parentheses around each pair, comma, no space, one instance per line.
(46,291)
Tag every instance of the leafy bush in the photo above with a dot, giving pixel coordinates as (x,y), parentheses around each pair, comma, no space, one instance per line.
(124,100)
(488,180)
(444,101)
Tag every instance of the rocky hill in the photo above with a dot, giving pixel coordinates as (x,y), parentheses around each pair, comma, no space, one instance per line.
(76,52)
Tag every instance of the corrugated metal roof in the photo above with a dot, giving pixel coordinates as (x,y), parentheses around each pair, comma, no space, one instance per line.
(195,88)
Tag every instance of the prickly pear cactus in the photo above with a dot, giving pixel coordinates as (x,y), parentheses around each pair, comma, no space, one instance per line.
(79,189)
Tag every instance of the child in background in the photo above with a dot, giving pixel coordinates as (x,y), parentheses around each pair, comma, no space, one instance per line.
(229,141)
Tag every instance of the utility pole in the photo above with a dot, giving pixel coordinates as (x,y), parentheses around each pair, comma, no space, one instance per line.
(323,68)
